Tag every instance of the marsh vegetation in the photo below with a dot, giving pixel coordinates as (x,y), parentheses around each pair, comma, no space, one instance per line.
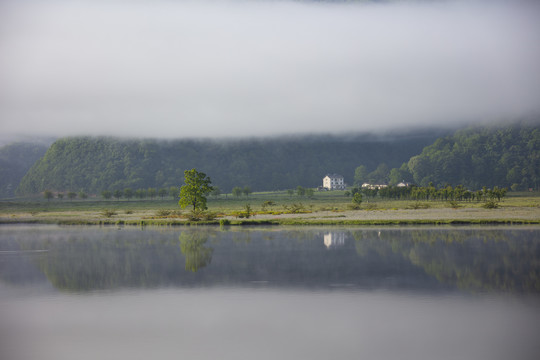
(274,207)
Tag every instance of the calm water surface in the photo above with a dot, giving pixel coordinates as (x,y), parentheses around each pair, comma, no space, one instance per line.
(269,293)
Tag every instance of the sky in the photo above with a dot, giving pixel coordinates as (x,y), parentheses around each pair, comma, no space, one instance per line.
(177,69)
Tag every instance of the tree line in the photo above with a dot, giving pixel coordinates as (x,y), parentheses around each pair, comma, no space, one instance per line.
(127,193)
(430,192)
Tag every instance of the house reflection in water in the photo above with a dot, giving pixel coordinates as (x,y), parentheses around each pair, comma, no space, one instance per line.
(334,239)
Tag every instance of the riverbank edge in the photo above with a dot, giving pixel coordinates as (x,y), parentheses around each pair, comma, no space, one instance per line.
(273,222)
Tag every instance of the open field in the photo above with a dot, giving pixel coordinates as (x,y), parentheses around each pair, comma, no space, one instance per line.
(323,208)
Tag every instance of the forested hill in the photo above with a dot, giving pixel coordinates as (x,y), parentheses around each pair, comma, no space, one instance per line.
(495,156)
(15,160)
(96,164)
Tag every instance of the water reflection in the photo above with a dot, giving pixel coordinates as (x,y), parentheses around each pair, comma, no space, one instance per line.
(443,259)
(334,239)
(275,293)
(507,260)
(193,247)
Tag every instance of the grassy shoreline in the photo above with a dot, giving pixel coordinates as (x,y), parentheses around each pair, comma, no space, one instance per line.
(297,221)
(288,222)
(327,208)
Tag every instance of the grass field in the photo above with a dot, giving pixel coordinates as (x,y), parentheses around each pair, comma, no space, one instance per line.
(331,207)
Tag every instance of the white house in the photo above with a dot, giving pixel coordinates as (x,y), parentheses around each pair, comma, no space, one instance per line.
(334,182)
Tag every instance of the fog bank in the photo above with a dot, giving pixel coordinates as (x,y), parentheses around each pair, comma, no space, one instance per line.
(243,68)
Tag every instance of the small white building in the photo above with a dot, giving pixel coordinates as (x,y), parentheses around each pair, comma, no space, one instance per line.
(373,187)
(334,182)
(403,184)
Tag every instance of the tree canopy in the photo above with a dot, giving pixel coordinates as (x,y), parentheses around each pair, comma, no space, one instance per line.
(193,193)
(490,156)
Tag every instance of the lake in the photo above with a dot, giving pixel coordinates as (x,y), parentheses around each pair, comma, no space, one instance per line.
(269,293)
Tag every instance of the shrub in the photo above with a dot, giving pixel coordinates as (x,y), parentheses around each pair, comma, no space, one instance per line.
(453,204)
(371,206)
(490,204)
(267,204)
(163,213)
(295,208)
(419,205)
(197,215)
(208,215)
(108,213)
(194,215)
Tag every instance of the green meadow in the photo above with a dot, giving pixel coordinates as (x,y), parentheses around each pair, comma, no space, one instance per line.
(325,208)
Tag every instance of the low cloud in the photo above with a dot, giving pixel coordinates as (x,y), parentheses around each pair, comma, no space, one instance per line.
(243,68)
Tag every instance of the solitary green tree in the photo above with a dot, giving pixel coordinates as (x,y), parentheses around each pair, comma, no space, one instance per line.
(197,187)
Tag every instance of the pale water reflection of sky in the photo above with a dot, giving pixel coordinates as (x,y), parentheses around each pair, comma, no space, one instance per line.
(239,68)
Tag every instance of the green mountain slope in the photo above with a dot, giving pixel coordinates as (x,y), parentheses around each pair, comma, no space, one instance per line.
(96,164)
(495,156)
(15,160)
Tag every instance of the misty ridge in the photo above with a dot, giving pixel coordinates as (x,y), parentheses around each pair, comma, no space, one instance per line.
(94,164)
(502,156)
(185,69)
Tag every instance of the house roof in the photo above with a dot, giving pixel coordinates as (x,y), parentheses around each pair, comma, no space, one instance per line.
(334,176)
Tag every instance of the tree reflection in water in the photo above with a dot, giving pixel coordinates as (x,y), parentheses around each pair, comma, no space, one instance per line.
(192,246)
(473,260)
(84,259)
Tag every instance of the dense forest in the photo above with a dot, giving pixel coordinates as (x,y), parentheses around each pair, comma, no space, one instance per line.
(476,157)
(97,164)
(15,160)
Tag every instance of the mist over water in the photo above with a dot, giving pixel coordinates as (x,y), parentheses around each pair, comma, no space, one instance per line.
(243,68)
(269,293)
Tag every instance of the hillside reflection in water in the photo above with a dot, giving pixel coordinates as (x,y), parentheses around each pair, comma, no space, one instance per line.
(318,292)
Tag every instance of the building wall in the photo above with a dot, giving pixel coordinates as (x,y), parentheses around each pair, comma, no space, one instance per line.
(333,183)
